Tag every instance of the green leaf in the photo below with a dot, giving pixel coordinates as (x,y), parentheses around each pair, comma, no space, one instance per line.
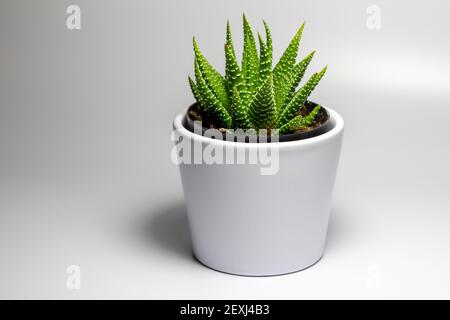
(268,37)
(281,90)
(212,106)
(250,64)
(262,111)
(287,60)
(265,62)
(233,74)
(297,74)
(291,126)
(282,71)
(309,119)
(299,122)
(239,112)
(213,78)
(300,97)
(195,92)
(229,41)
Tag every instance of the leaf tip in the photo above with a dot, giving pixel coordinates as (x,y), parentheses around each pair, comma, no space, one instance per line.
(260,38)
(300,31)
(245,21)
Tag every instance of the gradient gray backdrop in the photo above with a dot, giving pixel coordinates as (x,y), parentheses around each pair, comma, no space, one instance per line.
(85,123)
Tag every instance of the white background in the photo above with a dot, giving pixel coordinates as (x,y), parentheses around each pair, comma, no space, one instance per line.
(85,123)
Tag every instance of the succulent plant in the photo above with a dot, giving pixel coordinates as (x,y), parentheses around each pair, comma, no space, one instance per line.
(253,95)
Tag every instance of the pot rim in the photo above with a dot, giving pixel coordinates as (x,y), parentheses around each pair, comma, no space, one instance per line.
(335,117)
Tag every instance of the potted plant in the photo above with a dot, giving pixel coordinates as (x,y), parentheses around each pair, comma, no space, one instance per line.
(257,160)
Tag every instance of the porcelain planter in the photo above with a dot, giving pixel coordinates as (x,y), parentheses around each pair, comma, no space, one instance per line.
(264,217)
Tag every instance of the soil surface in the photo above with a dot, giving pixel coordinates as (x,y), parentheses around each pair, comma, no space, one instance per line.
(196,114)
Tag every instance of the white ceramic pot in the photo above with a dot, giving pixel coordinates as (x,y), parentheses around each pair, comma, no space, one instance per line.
(260,219)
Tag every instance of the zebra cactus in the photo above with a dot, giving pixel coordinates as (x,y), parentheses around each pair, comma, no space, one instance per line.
(254,95)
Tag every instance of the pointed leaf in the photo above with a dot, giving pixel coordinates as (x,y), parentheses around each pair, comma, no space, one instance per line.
(299,122)
(233,74)
(250,64)
(287,60)
(239,112)
(212,77)
(282,71)
(300,97)
(291,126)
(281,90)
(265,61)
(195,92)
(262,111)
(268,37)
(211,104)
(297,74)
(266,55)
(309,119)
(229,41)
